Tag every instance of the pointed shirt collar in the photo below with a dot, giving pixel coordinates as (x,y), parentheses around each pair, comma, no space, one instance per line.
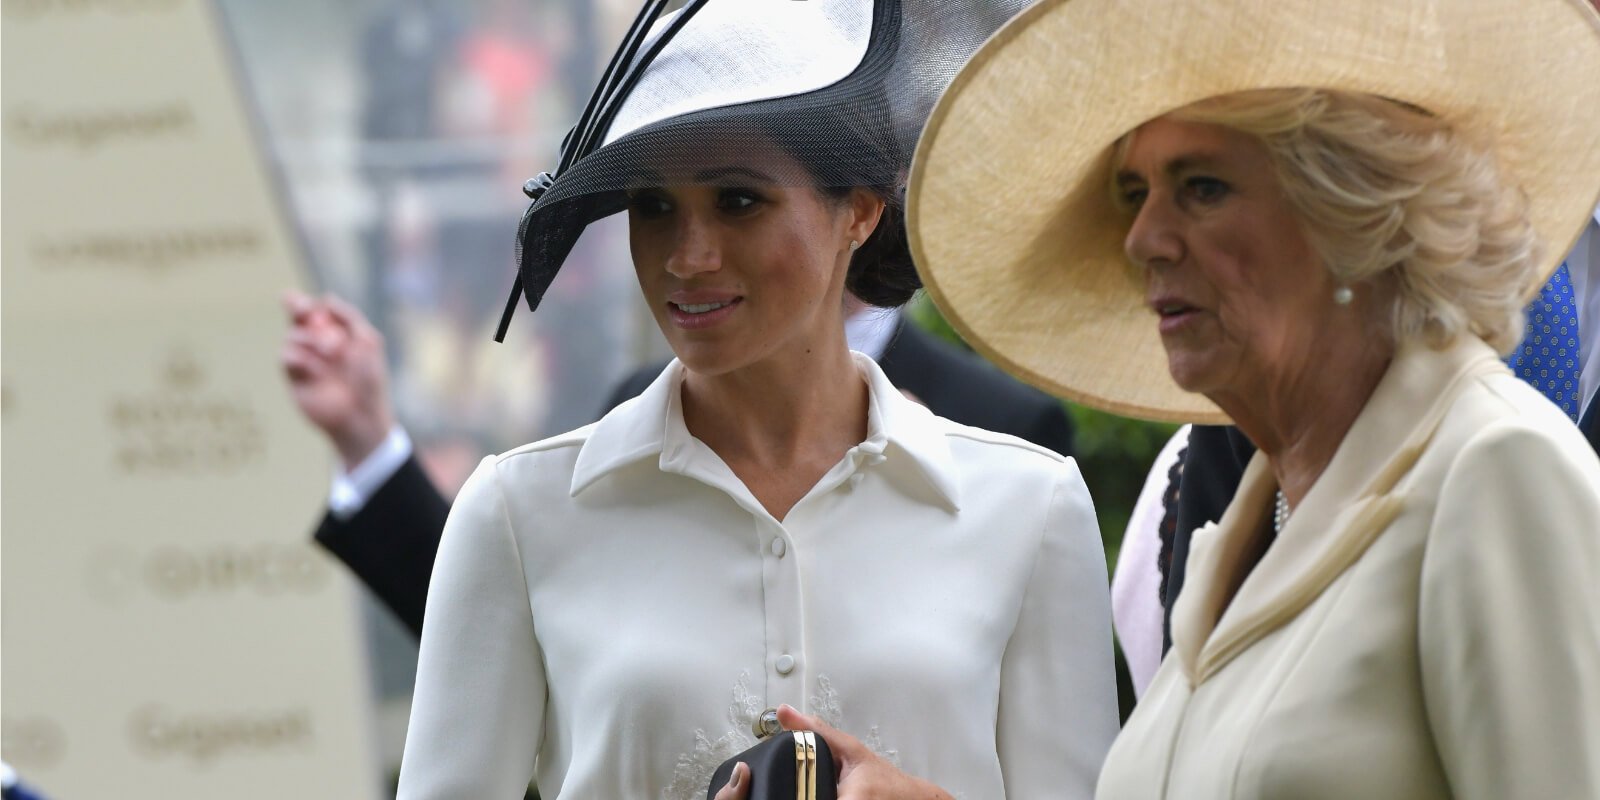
(900,433)
(1350,504)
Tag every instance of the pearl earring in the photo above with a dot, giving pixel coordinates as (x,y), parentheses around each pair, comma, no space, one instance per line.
(1343,295)
(853,245)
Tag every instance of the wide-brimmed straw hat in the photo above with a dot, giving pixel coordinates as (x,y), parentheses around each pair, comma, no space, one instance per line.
(839,88)
(1010,214)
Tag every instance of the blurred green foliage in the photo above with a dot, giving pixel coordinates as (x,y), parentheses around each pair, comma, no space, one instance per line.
(1115,454)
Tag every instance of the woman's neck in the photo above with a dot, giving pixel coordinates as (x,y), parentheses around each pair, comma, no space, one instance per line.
(781,423)
(1300,418)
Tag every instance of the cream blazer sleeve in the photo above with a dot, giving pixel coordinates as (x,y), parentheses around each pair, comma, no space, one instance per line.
(477,713)
(1509,628)
(1058,693)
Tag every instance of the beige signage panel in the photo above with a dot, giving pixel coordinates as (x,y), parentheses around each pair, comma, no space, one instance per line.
(169,630)
(131,174)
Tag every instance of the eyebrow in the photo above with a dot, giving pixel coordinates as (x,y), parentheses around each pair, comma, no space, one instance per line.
(646,177)
(1176,166)
(709,175)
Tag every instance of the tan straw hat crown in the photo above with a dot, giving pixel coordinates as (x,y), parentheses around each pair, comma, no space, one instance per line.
(1010,213)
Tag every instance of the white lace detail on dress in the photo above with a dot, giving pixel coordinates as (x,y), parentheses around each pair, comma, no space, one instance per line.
(693,772)
(826,705)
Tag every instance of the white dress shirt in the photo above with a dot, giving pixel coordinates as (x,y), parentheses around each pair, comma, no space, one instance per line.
(352,490)
(612,608)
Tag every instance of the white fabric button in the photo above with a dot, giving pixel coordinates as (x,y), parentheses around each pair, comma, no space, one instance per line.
(785,664)
(778,547)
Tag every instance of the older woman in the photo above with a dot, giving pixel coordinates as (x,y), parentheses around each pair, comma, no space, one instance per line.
(1335,212)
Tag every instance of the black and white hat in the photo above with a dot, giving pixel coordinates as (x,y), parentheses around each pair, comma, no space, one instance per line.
(842,87)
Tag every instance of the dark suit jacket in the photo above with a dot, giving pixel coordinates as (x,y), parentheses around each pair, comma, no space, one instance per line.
(391,542)
(1590,424)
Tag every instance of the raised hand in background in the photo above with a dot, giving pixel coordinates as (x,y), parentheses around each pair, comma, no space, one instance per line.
(334,360)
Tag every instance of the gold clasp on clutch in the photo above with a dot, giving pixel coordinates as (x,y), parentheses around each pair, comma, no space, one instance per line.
(805,765)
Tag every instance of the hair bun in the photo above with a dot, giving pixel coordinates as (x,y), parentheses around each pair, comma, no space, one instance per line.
(881,271)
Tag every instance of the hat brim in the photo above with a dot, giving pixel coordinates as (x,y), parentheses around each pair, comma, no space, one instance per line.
(769,133)
(1009,209)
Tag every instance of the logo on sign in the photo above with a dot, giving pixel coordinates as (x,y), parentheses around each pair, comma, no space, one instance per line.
(159,733)
(175,573)
(182,429)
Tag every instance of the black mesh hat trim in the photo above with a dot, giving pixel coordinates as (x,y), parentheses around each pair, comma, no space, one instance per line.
(630,78)
(574,144)
(603,95)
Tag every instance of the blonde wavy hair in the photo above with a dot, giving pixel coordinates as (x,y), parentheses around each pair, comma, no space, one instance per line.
(1384,187)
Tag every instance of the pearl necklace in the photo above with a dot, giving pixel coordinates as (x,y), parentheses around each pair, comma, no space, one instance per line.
(1280,514)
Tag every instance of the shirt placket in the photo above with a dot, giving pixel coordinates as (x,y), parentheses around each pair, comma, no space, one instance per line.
(783,597)
(784,555)
(780,546)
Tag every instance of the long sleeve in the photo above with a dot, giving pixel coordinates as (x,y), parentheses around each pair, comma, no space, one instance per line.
(390,543)
(1509,635)
(1058,693)
(477,715)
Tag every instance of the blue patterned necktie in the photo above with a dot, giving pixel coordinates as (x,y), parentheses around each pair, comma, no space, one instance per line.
(1548,355)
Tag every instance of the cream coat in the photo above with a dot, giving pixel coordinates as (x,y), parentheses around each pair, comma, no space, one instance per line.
(612,608)
(1427,624)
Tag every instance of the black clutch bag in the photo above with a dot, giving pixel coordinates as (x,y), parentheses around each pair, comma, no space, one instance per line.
(792,765)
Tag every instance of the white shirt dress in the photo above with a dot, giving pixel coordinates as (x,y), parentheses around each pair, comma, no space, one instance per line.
(611,609)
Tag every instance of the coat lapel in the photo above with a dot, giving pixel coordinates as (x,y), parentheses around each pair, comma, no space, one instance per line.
(1355,499)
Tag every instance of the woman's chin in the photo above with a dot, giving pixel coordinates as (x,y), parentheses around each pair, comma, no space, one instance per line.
(1192,374)
(704,358)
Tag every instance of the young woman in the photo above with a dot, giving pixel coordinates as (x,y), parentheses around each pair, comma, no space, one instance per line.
(617,610)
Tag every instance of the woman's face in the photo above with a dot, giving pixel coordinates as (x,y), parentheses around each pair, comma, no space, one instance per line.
(1239,294)
(738,267)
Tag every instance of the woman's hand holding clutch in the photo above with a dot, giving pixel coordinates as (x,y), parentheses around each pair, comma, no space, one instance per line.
(863,774)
